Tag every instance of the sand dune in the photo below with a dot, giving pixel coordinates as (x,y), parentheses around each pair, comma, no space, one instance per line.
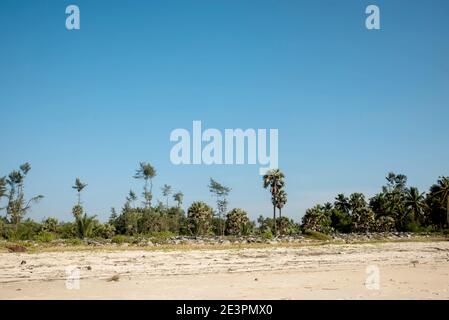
(406,270)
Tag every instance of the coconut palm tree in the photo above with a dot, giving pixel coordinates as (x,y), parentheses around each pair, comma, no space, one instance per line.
(274,179)
(178,197)
(166,191)
(79,186)
(146,172)
(414,202)
(441,190)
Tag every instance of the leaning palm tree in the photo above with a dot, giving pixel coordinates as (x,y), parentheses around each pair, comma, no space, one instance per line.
(166,192)
(146,172)
(441,190)
(79,186)
(274,179)
(414,202)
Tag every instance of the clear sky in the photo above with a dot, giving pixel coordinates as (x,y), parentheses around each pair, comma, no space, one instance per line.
(350,104)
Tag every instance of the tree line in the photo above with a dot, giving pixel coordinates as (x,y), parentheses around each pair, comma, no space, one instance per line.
(397,207)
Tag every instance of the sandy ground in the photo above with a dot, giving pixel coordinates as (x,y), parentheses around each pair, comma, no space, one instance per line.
(406,270)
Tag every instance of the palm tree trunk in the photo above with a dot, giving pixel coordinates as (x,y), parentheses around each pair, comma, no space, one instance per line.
(280,220)
(274,220)
(447,209)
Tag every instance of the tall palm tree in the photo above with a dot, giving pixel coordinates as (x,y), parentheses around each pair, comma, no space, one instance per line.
(166,191)
(414,202)
(274,179)
(281,201)
(441,190)
(146,172)
(79,186)
(178,197)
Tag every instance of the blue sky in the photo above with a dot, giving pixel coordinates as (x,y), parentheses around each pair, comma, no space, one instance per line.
(350,104)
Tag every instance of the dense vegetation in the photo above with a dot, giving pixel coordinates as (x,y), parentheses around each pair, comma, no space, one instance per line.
(397,207)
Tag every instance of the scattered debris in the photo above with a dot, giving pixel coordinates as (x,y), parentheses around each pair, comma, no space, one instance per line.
(16,248)
(115,277)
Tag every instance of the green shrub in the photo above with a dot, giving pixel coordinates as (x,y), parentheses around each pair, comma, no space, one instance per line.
(162,235)
(267,234)
(44,236)
(316,235)
(120,238)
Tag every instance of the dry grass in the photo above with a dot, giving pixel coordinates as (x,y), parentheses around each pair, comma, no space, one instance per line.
(48,247)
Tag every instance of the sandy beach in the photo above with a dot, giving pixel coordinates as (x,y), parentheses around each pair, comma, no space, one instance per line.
(395,270)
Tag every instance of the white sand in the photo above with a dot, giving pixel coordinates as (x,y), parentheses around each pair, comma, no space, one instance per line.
(407,270)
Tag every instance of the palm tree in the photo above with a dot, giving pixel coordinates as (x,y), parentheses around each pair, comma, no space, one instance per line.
(236,221)
(199,216)
(85,225)
(274,179)
(441,190)
(79,186)
(146,172)
(414,202)
(281,200)
(342,203)
(178,197)
(166,191)
(131,198)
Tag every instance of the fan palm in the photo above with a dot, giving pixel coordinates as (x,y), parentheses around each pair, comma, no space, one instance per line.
(275,180)
(342,203)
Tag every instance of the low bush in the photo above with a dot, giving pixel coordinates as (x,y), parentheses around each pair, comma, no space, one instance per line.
(316,235)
